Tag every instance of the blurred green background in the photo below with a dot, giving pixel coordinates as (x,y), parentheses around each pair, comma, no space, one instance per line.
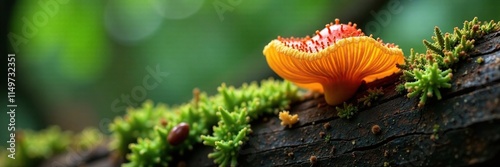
(79,61)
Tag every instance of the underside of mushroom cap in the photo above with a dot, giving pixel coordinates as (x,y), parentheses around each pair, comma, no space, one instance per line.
(337,69)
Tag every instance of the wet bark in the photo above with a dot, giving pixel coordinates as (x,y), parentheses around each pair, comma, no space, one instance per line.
(468,117)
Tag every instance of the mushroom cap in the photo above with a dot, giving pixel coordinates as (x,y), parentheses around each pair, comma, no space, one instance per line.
(337,69)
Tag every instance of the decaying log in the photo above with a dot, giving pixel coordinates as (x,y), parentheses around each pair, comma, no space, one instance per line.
(462,129)
(468,117)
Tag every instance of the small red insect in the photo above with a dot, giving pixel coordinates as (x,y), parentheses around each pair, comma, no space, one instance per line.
(178,134)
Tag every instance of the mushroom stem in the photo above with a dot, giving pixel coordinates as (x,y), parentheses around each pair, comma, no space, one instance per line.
(339,91)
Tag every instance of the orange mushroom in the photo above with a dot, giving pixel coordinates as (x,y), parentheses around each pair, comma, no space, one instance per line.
(334,61)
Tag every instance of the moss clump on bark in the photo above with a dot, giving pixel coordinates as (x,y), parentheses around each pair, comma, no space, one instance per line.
(142,132)
(425,74)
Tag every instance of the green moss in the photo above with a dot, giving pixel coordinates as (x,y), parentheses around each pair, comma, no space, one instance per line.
(427,83)
(141,135)
(480,60)
(34,147)
(373,95)
(347,112)
(228,136)
(143,131)
(87,139)
(327,138)
(400,88)
(136,124)
(425,74)
(435,130)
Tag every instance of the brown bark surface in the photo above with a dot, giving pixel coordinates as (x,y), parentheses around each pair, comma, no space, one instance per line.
(468,117)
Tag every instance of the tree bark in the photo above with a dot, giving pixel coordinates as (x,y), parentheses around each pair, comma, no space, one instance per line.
(468,117)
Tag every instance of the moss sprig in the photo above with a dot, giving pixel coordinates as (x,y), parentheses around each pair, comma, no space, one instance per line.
(400,88)
(480,60)
(425,74)
(373,95)
(228,136)
(435,130)
(347,111)
(137,123)
(427,83)
(150,151)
